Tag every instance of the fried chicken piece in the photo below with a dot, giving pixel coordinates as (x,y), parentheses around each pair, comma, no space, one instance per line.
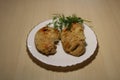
(73,40)
(46,39)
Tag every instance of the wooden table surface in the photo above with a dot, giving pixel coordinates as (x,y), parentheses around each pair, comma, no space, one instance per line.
(18,17)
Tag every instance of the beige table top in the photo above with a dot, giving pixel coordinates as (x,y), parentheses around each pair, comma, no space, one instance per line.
(18,17)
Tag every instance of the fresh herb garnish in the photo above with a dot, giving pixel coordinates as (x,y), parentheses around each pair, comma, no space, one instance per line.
(60,21)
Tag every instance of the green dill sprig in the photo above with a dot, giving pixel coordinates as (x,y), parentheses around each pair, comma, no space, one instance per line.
(60,21)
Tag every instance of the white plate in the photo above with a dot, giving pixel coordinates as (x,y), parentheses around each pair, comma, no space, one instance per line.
(61,58)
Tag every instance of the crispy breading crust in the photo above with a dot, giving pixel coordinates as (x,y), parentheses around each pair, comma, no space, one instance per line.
(46,39)
(73,40)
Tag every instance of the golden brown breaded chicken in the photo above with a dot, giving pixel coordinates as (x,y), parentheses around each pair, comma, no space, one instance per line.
(73,40)
(46,39)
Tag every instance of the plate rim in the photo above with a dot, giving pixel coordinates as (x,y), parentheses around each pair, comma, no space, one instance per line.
(44,23)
